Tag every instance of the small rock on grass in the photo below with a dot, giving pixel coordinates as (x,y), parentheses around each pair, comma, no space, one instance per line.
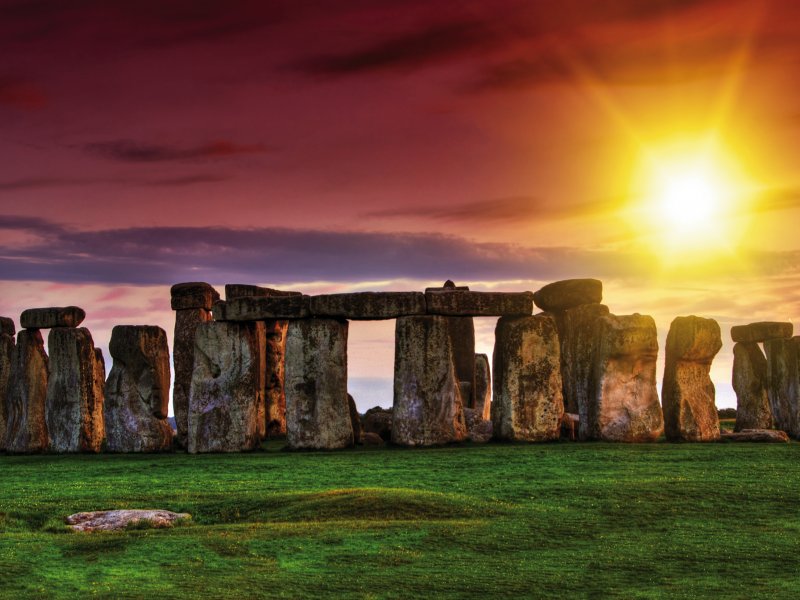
(114,520)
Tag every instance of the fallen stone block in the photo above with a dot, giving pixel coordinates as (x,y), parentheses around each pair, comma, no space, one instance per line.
(756,435)
(74,405)
(625,406)
(137,390)
(115,520)
(569,293)
(378,420)
(761,332)
(688,394)
(260,308)
(368,305)
(193,294)
(27,394)
(54,316)
(317,411)
(750,384)
(427,408)
(479,304)
(226,401)
(527,401)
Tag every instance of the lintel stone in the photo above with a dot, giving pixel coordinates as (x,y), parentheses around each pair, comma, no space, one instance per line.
(244,290)
(368,305)
(761,332)
(261,308)
(54,316)
(479,304)
(193,294)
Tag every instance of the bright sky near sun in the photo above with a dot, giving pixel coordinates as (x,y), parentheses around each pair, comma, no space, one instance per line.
(392,145)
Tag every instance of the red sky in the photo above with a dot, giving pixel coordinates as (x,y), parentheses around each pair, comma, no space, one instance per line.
(390,145)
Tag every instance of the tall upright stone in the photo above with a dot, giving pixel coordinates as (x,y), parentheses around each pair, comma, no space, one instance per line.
(750,384)
(317,409)
(137,390)
(7,332)
(226,403)
(192,302)
(74,406)
(783,383)
(625,406)
(428,408)
(483,386)
(27,393)
(690,414)
(527,403)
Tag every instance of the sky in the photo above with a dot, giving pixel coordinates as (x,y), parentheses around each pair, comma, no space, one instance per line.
(334,147)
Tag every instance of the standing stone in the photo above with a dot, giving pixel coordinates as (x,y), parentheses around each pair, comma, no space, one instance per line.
(355,419)
(74,407)
(137,390)
(690,414)
(576,335)
(483,386)
(6,361)
(186,323)
(27,393)
(193,294)
(462,338)
(750,384)
(625,405)
(226,402)
(378,420)
(317,411)
(527,402)
(275,376)
(7,326)
(428,408)
(479,430)
(783,383)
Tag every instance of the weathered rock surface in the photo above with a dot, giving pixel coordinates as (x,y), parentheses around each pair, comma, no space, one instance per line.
(427,407)
(783,383)
(6,361)
(74,405)
(317,411)
(527,401)
(372,439)
(113,520)
(241,290)
(137,390)
(570,423)
(478,304)
(479,430)
(186,323)
(750,384)
(7,326)
(761,332)
(260,308)
(378,420)
(193,294)
(688,394)
(368,305)
(483,386)
(569,293)
(576,336)
(54,316)
(27,394)
(756,435)
(355,419)
(275,395)
(226,401)
(625,406)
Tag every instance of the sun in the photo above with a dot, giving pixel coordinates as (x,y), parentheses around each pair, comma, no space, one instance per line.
(689,195)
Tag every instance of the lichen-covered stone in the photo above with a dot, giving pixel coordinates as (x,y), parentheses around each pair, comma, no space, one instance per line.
(783,383)
(226,401)
(7,327)
(576,336)
(750,384)
(54,316)
(193,294)
(137,390)
(527,402)
(427,408)
(625,406)
(690,414)
(74,406)
(483,386)
(261,308)
(317,412)
(479,430)
(6,361)
(368,305)
(274,378)
(116,520)
(458,303)
(186,323)
(569,293)
(27,394)
(761,332)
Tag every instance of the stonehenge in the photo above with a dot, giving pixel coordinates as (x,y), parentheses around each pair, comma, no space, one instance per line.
(690,414)
(263,363)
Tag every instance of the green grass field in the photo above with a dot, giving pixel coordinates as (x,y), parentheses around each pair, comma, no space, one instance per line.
(559,520)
